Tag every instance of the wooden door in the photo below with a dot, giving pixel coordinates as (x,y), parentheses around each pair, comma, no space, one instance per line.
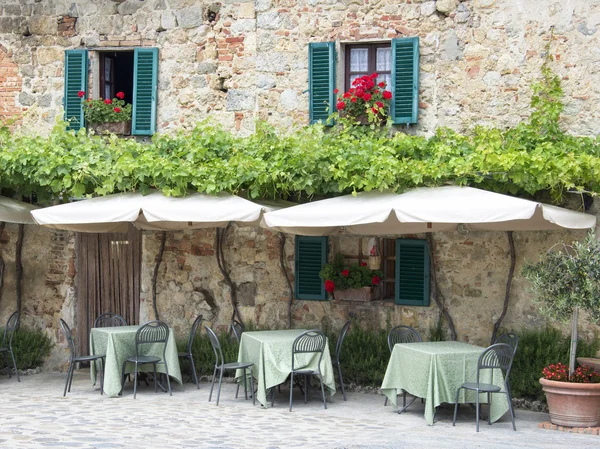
(108,279)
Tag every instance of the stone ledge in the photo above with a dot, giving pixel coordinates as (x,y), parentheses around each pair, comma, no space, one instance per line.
(585,430)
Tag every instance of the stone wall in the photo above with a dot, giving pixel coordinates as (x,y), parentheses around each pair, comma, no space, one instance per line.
(236,61)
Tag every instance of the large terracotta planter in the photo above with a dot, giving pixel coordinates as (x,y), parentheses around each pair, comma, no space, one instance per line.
(118,128)
(572,404)
(355,294)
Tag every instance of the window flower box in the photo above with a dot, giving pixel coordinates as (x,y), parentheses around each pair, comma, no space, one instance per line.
(117,128)
(362,294)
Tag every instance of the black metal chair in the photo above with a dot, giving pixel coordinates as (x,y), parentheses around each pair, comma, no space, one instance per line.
(188,353)
(221,366)
(402,334)
(512,340)
(6,343)
(237,329)
(338,351)
(74,358)
(500,357)
(110,319)
(309,342)
(151,333)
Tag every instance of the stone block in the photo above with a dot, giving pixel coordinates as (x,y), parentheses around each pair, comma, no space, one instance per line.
(12,10)
(207,67)
(168,20)
(428,8)
(243,26)
(271,62)
(262,5)
(246,10)
(269,20)
(462,13)
(289,100)
(247,294)
(26,99)
(265,82)
(129,7)
(446,6)
(49,55)
(189,17)
(45,101)
(43,25)
(240,100)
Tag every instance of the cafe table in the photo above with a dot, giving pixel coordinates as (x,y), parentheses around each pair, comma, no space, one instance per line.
(271,353)
(118,343)
(434,371)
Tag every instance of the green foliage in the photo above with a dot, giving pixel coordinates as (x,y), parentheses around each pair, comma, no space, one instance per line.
(106,111)
(351,276)
(568,278)
(30,346)
(537,349)
(437,331)
(204,356)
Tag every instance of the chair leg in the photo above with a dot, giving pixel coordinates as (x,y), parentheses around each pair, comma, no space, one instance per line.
(102,378)
(71,377)
(477,410)
(404,398)
(194,372)
(220,382)
(291,388)
(237,390)
(341,381)
(323,391)
(155,380)
(489,398)
(306,387)
(245,385)
(68,377)
(510,408)
(135,380)
(14,364)
(168,379)
(455,407)
(123,378)
(385,402)
(252,386)
(212,384)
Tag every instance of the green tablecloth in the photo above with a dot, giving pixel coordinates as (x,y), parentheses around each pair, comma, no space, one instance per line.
(271,353)
(434,370)
(118,343)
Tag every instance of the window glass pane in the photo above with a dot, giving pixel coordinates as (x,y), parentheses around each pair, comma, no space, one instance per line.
(107,69)
(386,78)
(359,59)
(107,91)
(384,59)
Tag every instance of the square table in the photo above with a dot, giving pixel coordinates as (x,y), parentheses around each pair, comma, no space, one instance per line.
(118,343)
(271,353)
(435,370)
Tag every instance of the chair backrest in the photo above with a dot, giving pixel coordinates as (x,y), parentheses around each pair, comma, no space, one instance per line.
(511,339)
(110,319)
(193,331)
(69,337)
(403,334)
(9,330)
(497,356)
(216,345)
(340,341)
(237,329)
(312,341)
(150,333)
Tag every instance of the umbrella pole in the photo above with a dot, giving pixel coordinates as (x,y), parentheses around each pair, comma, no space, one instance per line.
(19,269)
(2,224)
(286,276)
(511,272)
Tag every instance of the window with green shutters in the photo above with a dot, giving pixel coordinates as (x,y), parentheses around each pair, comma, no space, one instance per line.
(145,82)
(321,81)
(405,80)
(76,76)
(311,255)
(412,272)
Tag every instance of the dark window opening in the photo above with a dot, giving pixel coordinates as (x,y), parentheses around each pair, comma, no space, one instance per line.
(365,59)
(389,268)
(116,74)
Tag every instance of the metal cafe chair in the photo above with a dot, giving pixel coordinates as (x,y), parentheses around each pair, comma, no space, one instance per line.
(338,351)
(402,334)
(110,319)
(309,342)
(6,343)
(188,353)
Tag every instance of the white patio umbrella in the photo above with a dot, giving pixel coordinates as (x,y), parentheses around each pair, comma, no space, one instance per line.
(13,211)
(424,210)
(154,211)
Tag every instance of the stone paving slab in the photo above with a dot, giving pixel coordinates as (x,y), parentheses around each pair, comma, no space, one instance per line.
(33,414)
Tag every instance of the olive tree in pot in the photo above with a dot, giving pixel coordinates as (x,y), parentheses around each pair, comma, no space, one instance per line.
(566,280)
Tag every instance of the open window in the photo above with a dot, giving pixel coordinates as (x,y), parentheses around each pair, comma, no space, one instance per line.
(116,74)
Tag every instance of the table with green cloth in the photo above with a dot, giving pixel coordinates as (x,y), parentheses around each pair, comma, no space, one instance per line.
(435,370)
(271,353)
(118,343)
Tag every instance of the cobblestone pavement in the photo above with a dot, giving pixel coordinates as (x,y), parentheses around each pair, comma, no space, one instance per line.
(33,413)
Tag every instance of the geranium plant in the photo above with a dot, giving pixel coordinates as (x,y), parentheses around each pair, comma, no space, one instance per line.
(105,110)
(338,276)
(366,98)
(559,372)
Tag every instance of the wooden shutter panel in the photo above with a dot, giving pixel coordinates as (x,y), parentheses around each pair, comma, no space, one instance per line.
(412,272)
(145,80)
(311,255)
(321,81)
(405,80)
(76,77)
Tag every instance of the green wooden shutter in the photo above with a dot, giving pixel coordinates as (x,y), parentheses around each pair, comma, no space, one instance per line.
(145,80)
(311,255)
(76,77)
(412,272)
(321,81)
(405,80)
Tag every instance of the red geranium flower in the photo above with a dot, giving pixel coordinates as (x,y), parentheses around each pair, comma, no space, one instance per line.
(329,285)
(81,94)
(387,94)
(374,75)
(375,280)
(117,109)
(363,264)
(341,105)
(382,84)
(353,99)
(375,110)
(379,104)
(367,96)
(335,91)
(360,93)
(107,101)
(120,95)
(347,95)
(345,273)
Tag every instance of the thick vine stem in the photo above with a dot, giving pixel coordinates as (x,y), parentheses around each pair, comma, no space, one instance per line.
(19,269)
(511,272)
(438,297)
(2,224)
(220,240)
(159,257)
(284,270)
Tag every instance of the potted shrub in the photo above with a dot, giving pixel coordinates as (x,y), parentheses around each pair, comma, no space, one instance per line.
(355,282)
(366,101)
(106,115)
(566,280)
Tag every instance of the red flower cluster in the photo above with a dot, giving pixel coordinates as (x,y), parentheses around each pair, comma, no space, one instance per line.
(375,280)
(120,95)
(560,372)
(345,273)
(108,101)
(117,109)
(81,94)
(329,286)
(365,98)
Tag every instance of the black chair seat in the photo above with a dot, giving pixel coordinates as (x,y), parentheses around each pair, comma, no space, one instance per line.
(88,358)
(4,349)
(184,354)
(237,365)
(304,371)
(144,359)
(482,387)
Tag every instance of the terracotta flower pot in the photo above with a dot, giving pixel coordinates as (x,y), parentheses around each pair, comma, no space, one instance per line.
(118,128)
(572,404)
(355,294)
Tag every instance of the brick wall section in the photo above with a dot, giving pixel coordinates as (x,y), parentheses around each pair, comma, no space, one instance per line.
(585,430)
(10,86)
